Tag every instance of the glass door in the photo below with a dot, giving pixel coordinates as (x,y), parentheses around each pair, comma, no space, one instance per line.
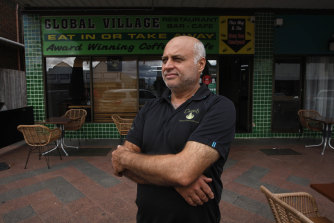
(235,77)
(286,95)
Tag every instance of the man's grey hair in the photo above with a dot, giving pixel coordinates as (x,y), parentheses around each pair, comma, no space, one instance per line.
(199,51)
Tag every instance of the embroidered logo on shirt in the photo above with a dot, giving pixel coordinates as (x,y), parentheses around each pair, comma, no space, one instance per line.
(190,113)
(190,116)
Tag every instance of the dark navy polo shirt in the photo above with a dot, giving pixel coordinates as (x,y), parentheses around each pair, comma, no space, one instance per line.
(160,129)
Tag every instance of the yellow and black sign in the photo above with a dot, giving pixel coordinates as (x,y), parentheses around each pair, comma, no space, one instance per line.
(236,35)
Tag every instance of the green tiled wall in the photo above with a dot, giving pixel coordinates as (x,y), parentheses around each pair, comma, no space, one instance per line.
(33,60)
(35,86)
(262,81)
(262,76)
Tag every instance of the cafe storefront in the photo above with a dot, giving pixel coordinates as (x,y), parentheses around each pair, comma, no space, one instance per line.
(111,64)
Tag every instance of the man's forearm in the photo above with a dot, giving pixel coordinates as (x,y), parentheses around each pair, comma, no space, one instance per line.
(144,169)
(169,170)
(134,177)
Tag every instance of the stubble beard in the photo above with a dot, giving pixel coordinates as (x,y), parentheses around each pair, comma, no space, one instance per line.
(184,84)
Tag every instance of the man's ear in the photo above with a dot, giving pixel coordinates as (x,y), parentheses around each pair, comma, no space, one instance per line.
(201,64)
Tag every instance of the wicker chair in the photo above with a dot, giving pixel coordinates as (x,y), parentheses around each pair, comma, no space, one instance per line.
(37,137)
(123,125)
(297,207)
(77,117)
(313,125)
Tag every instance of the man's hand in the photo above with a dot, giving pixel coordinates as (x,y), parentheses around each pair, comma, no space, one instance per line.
(116,157)
(198,192)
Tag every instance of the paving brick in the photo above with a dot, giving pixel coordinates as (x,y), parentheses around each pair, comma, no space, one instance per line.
(85,186)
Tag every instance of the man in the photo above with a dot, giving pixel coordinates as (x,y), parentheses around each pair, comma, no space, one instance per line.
(179,143)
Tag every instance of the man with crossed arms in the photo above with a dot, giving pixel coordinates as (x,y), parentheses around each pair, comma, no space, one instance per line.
(178,144)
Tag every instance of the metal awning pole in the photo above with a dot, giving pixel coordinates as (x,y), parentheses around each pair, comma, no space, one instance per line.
(11,42)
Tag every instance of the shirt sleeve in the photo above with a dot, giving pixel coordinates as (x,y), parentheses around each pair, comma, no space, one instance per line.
(217,128)
(135,134)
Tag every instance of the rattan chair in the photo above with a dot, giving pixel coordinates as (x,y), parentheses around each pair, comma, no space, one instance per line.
(313,125)
(38,137)
(297,207)
(123,125)
(77,117)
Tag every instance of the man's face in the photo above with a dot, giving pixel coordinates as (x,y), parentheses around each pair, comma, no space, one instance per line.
(178,67)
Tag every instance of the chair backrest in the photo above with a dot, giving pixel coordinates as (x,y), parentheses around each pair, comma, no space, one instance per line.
(35,135)
(123,125)
(77,117)
(282,211)
(306,122)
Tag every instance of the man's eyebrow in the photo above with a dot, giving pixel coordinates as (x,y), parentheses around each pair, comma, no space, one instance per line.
(178,57)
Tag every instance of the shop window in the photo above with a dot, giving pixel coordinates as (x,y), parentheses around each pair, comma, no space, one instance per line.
(209,75)
(151,84)
(115,89)
(319,85)
(67,84)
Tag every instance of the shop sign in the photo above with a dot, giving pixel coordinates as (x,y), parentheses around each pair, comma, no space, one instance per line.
(237,35)
(127,35)
(101,35)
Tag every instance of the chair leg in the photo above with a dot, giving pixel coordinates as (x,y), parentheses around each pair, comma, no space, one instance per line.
(46,156)
(25,167)
(59,153)
(47,159)
(40,152)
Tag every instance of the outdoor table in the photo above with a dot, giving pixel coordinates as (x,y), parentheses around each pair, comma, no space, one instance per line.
(60,122)
(327,130)
(325,189)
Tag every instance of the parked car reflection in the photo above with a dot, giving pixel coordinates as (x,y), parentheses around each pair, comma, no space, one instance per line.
(325,95)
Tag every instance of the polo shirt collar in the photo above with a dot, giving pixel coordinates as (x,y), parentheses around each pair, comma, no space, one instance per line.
(200,94)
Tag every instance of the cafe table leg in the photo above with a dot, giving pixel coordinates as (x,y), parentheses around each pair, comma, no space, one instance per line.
(76,147)
(330,136)
(57,145)
(323,139)
(62,140)
(62,146)
(329,144)
(324,147)
(328,133)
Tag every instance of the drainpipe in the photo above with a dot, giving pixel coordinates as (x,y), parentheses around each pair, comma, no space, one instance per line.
(18,37)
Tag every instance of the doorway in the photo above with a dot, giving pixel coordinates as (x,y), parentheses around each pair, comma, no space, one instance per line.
(235,80)
(286,95)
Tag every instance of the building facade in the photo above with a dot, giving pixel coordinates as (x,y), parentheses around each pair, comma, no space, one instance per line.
(266,62)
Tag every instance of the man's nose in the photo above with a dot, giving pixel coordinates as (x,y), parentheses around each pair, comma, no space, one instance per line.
(169,64)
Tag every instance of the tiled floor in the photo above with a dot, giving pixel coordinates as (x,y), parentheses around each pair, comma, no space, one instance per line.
(83,189)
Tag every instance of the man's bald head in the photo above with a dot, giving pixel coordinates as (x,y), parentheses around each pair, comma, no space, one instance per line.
(199,49)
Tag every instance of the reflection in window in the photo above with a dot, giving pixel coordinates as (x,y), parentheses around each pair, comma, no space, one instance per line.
(211,70)
(115,88)
(151,84)
(287,79)
(320,85)
(66,84)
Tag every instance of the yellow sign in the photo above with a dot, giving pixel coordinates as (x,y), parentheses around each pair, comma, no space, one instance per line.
(236,35)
